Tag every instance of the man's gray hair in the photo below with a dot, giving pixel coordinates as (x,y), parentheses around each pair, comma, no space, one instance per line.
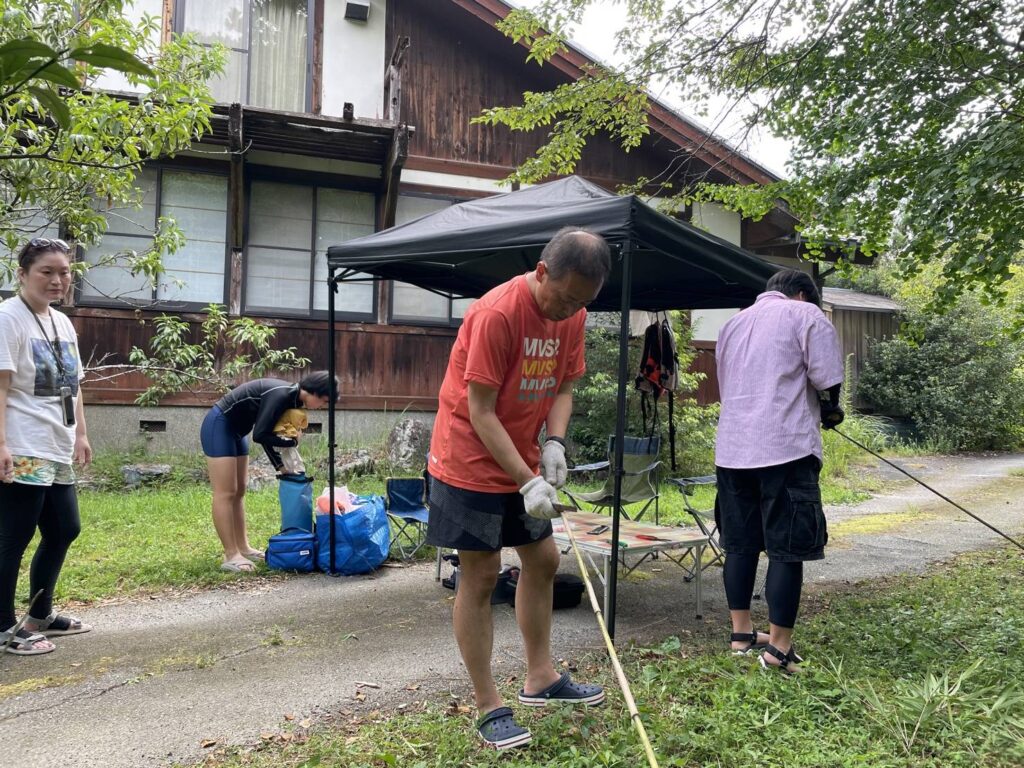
(577,250)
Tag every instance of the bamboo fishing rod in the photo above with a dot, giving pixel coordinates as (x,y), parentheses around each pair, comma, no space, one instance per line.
(634,715)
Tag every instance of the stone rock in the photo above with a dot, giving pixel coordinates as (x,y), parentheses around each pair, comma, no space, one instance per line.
(407,445)
(144,474)
(358,463)
(261,473)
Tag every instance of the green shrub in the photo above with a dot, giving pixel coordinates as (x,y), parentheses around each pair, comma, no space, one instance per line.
(957,377)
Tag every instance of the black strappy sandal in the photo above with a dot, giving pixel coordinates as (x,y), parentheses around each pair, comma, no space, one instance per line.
(746,637)
(785,659)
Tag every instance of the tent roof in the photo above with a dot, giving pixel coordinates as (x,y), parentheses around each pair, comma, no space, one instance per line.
(467,249)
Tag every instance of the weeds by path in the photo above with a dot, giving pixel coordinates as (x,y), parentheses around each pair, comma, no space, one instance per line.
(917,672)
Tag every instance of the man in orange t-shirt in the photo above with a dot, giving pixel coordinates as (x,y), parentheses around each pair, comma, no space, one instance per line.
(518,352)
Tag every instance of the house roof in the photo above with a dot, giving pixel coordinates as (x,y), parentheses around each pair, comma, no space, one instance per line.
(682,131)
(844,298)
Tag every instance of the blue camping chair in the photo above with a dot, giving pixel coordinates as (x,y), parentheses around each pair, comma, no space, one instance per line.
(405,499)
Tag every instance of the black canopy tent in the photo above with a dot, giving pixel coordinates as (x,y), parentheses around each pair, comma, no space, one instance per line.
(658,264)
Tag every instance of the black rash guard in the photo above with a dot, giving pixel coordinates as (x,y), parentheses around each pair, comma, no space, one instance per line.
(256,406)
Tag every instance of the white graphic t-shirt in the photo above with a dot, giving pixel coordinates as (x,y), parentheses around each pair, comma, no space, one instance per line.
(34,425)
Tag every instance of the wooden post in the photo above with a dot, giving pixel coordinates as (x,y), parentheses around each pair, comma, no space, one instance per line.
(236,207)
(393,81)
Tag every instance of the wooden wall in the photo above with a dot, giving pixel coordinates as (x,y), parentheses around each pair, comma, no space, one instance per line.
(857,328)
(457,65)
(380,367)
(704,362)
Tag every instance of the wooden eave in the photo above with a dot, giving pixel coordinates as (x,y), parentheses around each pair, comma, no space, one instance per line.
(794,246)
(663,120)
(359,140)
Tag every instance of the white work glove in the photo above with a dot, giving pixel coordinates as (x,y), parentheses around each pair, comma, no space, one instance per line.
(539,498)
(552,463)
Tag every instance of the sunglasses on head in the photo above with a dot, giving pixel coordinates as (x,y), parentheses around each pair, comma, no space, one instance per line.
(47,242)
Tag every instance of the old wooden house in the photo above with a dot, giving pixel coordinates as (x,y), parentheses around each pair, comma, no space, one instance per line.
(335,119)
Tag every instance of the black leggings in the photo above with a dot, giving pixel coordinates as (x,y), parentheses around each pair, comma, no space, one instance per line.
(23,508)
(781,591)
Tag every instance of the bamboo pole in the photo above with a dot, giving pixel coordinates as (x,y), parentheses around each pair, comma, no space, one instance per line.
(634,715)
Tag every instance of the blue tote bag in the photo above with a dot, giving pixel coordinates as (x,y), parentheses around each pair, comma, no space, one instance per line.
(361,538)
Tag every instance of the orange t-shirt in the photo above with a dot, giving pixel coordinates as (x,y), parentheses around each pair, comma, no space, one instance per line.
(507,344)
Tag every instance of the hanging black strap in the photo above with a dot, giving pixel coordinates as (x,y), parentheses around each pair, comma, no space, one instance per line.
(671,430)
(54,345)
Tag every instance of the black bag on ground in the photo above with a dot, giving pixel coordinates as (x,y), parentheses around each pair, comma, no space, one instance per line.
(568,591)
(503,592)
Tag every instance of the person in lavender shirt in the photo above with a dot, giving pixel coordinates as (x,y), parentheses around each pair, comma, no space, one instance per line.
(780,367)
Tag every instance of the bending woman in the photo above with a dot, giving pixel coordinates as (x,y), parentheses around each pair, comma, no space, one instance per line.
(42,431)
(253,407)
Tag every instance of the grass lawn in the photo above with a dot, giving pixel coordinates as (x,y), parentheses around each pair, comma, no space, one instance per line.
(920,671)
(145,541)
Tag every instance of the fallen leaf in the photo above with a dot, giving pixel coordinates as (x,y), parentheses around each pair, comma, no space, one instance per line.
(289,717)
(305,723)
(364,684)
(207,743)
(360,696)
(412,687)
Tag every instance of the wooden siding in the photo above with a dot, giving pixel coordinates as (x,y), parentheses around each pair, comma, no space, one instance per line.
(380,367)
(458,65)
(857,329)
(704,362)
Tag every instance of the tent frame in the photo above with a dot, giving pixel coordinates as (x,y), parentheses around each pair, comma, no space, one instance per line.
(744,274)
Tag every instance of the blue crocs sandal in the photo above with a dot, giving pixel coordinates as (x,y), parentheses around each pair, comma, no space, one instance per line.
(564,690)
(499,730)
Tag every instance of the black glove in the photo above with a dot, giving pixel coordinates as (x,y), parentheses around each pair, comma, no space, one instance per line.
(832,415)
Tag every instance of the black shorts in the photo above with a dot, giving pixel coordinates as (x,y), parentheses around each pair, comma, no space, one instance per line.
(480,522)
(773,509)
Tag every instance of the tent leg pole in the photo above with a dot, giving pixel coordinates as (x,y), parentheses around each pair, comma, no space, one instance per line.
(620,430)
(332,365)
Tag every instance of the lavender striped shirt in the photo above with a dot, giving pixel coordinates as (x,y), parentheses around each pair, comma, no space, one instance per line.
(772,358)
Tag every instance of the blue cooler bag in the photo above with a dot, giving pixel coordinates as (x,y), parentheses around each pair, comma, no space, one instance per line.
(292,550)
(361,538)
(295,492)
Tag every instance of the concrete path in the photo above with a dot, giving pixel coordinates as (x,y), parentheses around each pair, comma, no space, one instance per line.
(159,679)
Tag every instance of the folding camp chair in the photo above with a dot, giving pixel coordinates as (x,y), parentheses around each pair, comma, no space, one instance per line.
(639,478)
(705,518)
(405,499)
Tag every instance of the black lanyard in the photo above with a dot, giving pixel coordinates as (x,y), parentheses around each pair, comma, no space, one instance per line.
(55,344)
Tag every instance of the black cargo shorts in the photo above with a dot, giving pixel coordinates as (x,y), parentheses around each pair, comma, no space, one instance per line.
(773,509)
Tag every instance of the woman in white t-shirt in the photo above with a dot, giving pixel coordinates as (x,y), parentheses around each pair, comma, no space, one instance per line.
(42,432)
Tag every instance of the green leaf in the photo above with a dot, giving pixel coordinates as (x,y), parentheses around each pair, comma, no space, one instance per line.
(52,103)
(59,75)
(14,54)
(111,57)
